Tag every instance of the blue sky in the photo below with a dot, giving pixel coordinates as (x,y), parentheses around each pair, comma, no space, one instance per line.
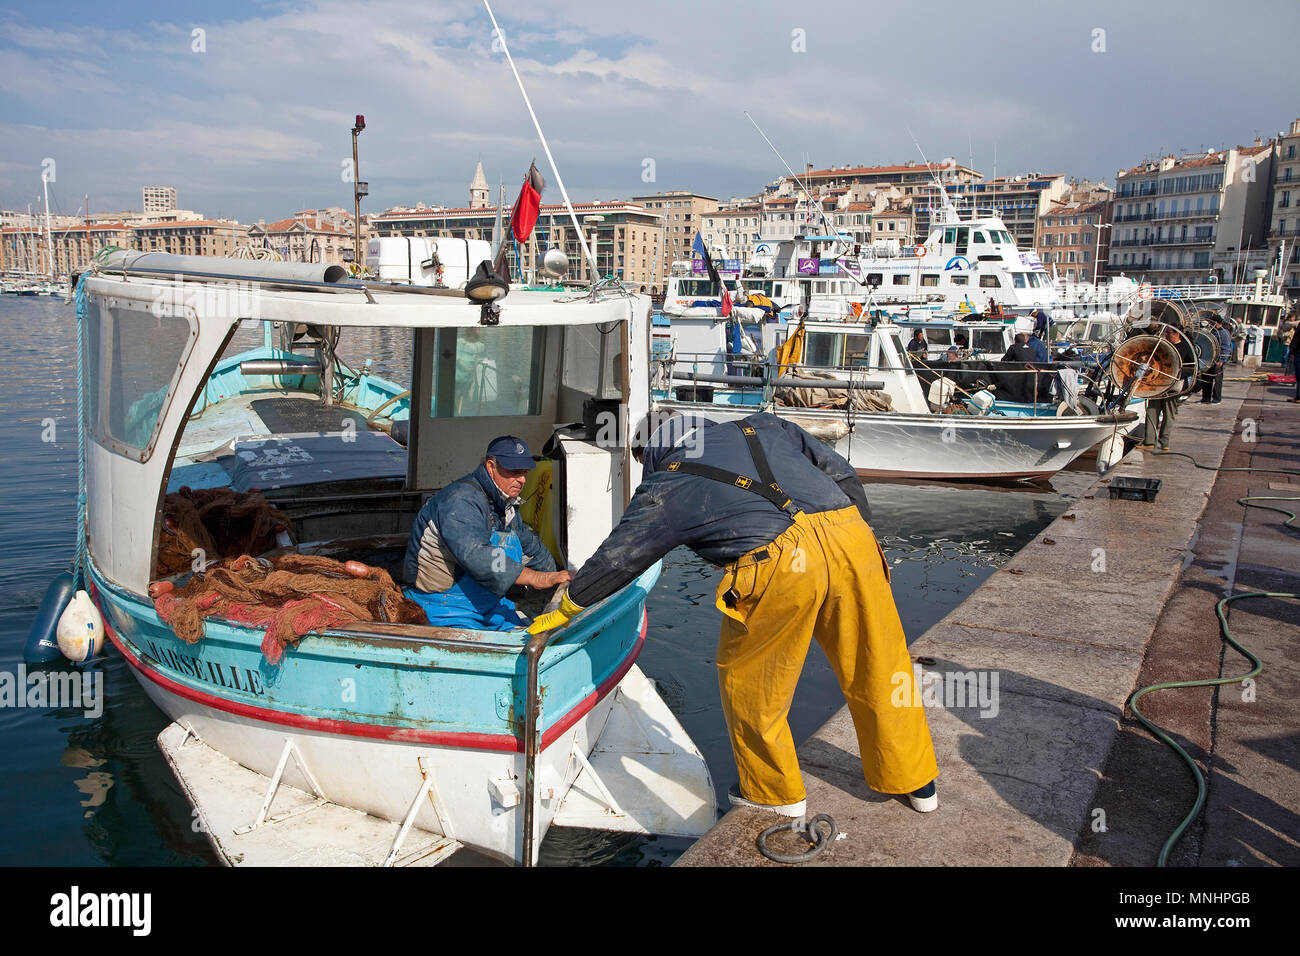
(256,124)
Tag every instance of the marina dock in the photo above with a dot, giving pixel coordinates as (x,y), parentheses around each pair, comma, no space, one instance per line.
(1050,769)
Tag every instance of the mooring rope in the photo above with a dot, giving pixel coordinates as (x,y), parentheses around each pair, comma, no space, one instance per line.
(79,559)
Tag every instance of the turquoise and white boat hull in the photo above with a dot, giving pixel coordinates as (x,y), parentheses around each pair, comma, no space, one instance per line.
(371,714)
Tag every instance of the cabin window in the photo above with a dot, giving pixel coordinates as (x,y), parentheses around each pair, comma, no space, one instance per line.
(962,234)
(133,358)
(876,278)
(857,349)
(1018,279)
(900,278)
(586,350)
(962,280)
(930,278)
(987,340)
(822,349)
(488,372)
(990,282)
(950,236)
(977,237)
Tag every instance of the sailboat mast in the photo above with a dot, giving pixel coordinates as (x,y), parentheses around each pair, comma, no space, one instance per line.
(49,238)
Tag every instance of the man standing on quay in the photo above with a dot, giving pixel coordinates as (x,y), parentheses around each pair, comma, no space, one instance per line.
(786,519)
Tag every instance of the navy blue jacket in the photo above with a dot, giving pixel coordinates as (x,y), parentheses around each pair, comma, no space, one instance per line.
(719,522)
(452,535)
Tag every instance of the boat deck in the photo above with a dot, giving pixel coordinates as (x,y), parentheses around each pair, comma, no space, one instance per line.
(281,438)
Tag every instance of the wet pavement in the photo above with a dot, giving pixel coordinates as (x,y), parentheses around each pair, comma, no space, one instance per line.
(1046,768)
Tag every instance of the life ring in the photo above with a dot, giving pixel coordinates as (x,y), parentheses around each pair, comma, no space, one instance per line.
(919,251)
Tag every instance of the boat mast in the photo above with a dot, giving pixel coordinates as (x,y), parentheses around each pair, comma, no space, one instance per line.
(49,238)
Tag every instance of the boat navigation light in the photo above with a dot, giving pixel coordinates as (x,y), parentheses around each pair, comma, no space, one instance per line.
(486,286)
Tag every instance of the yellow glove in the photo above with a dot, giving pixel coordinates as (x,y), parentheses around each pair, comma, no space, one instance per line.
(557,618)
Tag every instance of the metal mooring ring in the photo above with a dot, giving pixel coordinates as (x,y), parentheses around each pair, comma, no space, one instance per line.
(810,831)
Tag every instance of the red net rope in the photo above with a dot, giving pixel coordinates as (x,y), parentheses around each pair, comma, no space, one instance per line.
(289,596)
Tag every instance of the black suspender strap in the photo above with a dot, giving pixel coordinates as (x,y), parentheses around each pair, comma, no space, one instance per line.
(767,488)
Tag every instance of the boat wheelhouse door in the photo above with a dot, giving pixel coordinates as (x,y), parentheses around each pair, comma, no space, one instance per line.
(889,362)
(472,383)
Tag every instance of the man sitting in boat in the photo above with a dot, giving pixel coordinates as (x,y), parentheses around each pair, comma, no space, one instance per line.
(797,563)
(469,546)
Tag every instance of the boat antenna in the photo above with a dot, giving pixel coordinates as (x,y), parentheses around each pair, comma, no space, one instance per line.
(826,222)
(559,181)
(943,190)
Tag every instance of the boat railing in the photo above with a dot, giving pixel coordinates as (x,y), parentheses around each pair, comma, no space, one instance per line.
(1036,397)
(682,373)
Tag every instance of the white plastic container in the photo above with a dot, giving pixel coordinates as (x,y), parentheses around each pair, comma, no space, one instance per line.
(424,261)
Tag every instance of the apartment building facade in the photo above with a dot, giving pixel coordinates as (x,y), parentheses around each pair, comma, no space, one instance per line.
(204,237)
(305,238)
(681,215)
(1284,212)
(1197,218)
(25,250)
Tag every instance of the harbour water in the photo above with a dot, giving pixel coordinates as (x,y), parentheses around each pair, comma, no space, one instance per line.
(95,790)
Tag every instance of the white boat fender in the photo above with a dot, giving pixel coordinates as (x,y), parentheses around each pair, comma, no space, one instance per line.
(982,400)
(81,629)
(42,643)
(1109,452)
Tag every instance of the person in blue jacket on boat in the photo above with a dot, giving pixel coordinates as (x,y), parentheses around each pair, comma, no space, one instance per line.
(469,546)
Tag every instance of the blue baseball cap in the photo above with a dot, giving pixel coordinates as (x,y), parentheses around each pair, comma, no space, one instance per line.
(511,452)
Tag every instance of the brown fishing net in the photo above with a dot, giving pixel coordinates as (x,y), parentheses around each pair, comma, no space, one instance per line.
(290,595)
(219,522)
(862,399)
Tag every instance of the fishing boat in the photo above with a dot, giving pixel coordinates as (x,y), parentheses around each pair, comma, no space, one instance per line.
(899,416)
(963,264)
(374,742)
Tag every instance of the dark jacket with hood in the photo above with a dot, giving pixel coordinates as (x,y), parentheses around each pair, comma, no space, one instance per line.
(452,535)
(717,521)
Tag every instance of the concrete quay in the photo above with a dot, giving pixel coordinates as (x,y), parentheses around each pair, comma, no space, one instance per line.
(1113,595)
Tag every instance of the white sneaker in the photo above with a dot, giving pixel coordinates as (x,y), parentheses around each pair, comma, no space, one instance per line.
(926,799)
(796,810)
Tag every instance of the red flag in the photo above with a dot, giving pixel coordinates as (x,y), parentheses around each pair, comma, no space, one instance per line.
(524,214)
(726,302)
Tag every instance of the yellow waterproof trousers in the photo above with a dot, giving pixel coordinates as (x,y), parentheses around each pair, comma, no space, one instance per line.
(825,577)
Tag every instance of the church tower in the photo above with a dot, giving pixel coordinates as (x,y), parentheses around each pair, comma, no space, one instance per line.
(478,189)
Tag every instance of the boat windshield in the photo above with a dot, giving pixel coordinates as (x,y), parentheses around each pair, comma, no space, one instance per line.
(702,288)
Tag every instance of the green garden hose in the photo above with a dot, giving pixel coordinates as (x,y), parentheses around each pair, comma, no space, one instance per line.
(1226,633)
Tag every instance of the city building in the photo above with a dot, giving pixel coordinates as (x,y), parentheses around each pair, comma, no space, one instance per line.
(158,199)
(306,237)
(681,215)
(1284,218)
(204,237)
(732,230)
(1195,219)
(896,221)
(1074,240)
(912,178)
